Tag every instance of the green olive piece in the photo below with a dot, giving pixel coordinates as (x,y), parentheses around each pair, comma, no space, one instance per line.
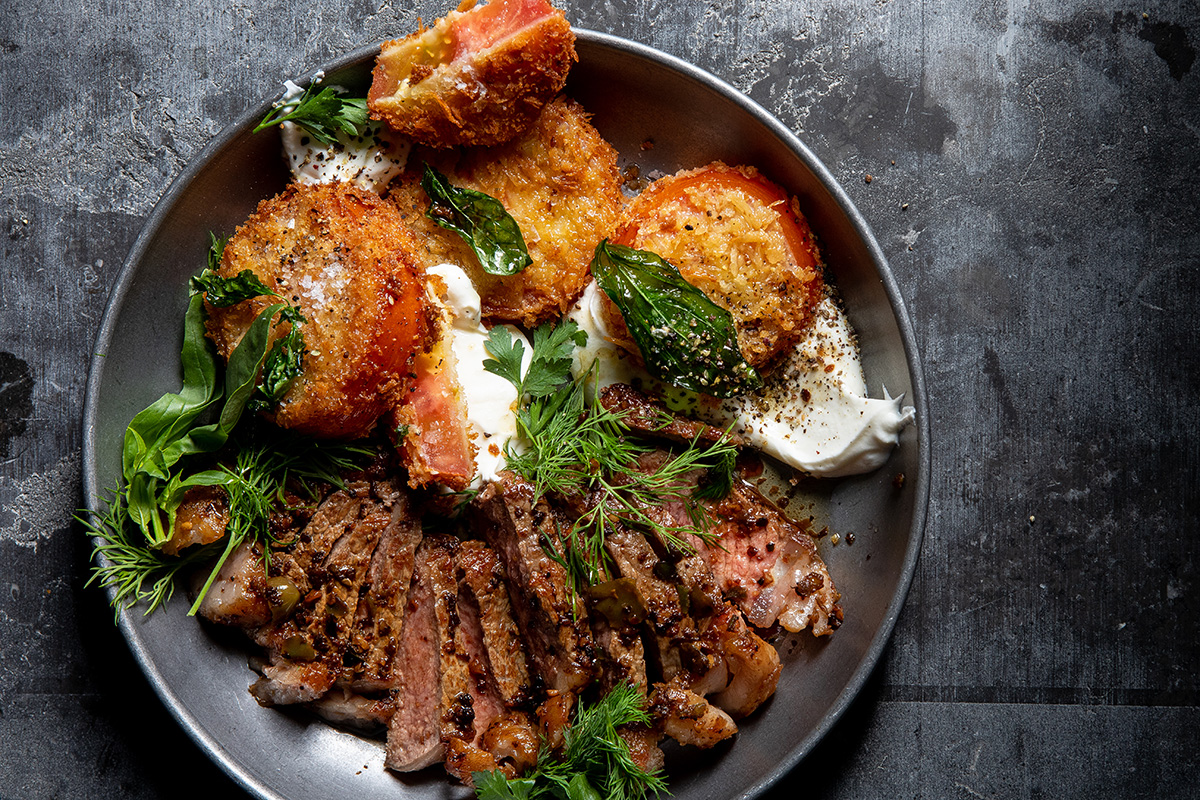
(282,596)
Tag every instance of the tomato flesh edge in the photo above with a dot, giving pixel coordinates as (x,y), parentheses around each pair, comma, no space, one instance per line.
(484,26)
(757,187)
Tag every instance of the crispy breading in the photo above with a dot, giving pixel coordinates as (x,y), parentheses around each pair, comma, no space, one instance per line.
(479,76)
(346,259)
(559,181)
(739,239)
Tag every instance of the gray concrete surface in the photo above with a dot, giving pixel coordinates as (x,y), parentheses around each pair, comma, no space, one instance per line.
(1034,185)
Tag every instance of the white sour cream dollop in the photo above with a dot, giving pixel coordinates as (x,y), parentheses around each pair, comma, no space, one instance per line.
(369,161)
(491,400)
(813,413)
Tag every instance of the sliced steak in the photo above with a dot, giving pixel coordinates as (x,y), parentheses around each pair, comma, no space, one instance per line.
(652,419)
(335,550)
(552,620)
(483,584)
(769,565)
(348,709)
(414,738)
(380,614)
(674,642)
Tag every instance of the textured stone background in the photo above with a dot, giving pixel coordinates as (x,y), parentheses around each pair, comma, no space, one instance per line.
(1047,153)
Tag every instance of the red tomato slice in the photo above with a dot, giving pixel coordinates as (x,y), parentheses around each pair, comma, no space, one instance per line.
(724,179)
(484,26)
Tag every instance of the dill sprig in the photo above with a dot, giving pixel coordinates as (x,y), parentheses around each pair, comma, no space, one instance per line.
(595,761)
(575,447)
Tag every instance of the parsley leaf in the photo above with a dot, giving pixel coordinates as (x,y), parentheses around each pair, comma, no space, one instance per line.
(322,113)
(507,355)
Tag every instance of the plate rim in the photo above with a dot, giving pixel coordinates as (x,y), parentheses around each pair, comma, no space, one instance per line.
(126,617)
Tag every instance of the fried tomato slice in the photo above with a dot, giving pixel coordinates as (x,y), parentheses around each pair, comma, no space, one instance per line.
(479,76)
(345,258)
(742,241)
(559,181)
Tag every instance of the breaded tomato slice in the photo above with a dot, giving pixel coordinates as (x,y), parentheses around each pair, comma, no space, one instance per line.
(742,241)
(479,76)
(345,257)
(559,181)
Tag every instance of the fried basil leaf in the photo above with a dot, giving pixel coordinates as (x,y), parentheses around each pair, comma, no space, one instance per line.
(224,292)
(284,361)
(480,220)
(685,338)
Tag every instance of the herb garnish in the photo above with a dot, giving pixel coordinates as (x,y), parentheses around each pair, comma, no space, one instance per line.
(322,113)
(595,762)
(685,338)
(480,220)
(577,447)
(161,436)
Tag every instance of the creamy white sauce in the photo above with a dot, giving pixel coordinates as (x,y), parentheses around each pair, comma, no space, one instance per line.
(491,400)
(813,413)
(369,161)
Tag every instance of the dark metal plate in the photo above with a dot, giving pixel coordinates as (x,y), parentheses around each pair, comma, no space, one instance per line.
(635,94)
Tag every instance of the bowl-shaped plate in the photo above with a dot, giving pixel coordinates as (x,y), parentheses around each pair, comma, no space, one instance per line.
(635,94)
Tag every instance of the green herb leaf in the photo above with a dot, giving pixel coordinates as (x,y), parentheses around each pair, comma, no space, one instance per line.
(495,786)
(285,361)
(480,220)
(507,354)
(216,250)
(553,347)
(595,761)
(719,480)
(685,338)
(322,113)
(223,292)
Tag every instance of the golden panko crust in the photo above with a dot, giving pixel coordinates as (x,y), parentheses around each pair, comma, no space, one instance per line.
(346,259)
(742,241)
(434,88)
(559,181)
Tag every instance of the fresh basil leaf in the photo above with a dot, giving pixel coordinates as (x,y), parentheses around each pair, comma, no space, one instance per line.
(241,375)
(322,113)
(480,220)
(169,417)
(223,292)
(685,338)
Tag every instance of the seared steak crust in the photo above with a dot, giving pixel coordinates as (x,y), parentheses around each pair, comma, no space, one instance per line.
(551,619)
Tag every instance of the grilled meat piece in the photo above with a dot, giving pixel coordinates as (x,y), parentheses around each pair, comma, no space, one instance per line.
(769,564)
(238,595)
(380,614)
(651,418)
(675,643)
(483,585)
(341,706)
(319,631)
(687,717)
(552,621)
(429,683)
